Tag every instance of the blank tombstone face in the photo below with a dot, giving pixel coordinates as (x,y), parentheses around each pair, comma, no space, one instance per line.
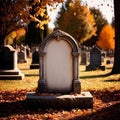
(59,66)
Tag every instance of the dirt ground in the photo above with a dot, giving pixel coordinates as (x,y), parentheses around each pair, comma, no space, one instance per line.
(106,107)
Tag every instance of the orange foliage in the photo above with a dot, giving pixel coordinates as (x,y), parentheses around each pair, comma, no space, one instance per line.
(20,32)
(40,10)
(106,38)
(15,35)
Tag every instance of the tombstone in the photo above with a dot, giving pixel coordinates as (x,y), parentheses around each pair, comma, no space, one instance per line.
(59,84)
(28,52)
(110,61)
(84,57)
(34,48)
(35,60)
(22,57)
(110,53)
(22,54)
(22,47)
(103,54)
(8,64)
(95,60)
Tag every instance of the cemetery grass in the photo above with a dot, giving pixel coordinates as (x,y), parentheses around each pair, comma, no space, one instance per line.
(104,88)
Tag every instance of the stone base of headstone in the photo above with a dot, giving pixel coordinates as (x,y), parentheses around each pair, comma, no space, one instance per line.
(90,68)
(11,74)
(22,61)
(82,101)
(34,66)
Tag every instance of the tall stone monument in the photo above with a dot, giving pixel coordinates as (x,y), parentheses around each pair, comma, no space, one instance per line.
(59,84)
(8,64)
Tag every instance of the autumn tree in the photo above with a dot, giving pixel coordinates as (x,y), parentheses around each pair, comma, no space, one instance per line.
(16,37)
(76,20)
(36,25)
(106,38)
(100,23)
(13,15)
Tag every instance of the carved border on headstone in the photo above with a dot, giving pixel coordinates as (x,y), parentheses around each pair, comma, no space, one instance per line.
(58,35)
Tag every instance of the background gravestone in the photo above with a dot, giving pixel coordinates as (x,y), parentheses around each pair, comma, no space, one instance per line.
(8,63)
(35,60)
(28,51)
(22,57)
(22,54)
(59,84)
(6,58)
(95,60)
(84,57)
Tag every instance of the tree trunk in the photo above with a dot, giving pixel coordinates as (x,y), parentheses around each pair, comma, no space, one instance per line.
(116,66)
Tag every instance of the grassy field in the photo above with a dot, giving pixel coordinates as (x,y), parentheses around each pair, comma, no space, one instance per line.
(104,88)
(28,83)
(99,80)
(90,80)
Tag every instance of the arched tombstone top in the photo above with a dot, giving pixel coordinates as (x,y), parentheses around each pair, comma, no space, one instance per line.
(60,35)
(59,64)
(96,49)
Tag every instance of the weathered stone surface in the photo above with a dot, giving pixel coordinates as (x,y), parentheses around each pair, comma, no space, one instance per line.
(59,64)
(83,100)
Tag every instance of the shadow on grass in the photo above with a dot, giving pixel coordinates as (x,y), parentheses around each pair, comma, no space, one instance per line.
(21,108)
(111,112)
(108,113)
(24,68)
(29,75)
(11,108)
(112,80)
(109,68)
(95,76)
